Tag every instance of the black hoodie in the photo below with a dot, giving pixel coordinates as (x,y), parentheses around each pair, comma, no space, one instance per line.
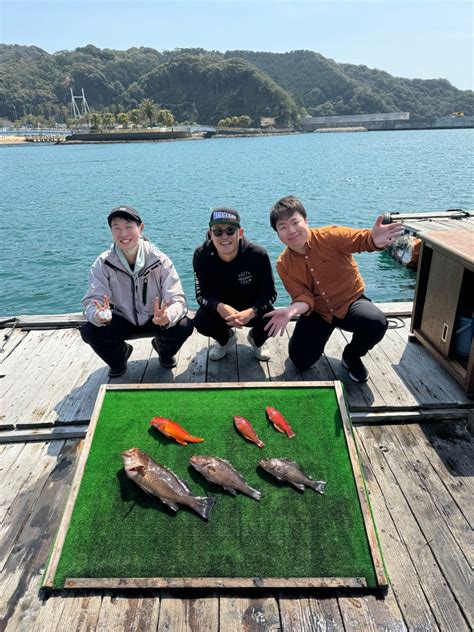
(246,281)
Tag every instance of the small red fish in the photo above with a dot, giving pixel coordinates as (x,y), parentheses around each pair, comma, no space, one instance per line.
(279,421)
(173,430)
(246,429)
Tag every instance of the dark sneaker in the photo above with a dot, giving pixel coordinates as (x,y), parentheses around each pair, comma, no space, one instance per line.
(167,362)
(355,366)
(122,369)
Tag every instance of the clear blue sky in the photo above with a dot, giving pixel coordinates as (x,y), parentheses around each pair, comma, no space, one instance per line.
(419,38)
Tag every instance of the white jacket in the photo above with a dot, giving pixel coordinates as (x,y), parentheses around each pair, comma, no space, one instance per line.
(134,298)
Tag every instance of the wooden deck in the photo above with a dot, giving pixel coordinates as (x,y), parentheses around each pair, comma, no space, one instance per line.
(419,477)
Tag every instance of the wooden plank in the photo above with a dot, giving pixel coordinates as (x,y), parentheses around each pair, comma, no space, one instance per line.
(299,613)
(43,434)
(400,308)
(224,370)
(367,613)
(138,362)
(360,396)
(249,368)
(77,613)
(379,569)
(192,360)
(214,582)
(404,578)
(54,321)
(252,615)
(20,579)
(431,385)
(386,381)
(409,416)
(35,466)
(9,341)
(119,611)
(436,535)
(91,373)
(188,615)
(433,478)
(452,444)
(11,479)
(55,555)
(48,371)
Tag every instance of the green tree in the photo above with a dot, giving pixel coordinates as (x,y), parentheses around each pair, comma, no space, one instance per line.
(149,109)
(165,118)
(135,116)
(235,121)
(122,119)
(108,120)
(96,120)
(244,120)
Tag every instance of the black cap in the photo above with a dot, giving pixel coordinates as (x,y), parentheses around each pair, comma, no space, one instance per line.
(124,211)
(224,216)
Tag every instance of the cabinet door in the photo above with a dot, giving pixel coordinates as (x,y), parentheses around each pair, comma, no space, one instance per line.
(441,301)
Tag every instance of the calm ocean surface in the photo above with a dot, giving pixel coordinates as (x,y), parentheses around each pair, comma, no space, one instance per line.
(55,200)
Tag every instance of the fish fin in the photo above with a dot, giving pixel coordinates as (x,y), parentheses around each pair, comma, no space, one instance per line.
(279,429)
(180,441)
(299,486)
(170,504)
(254,493)
(230,490)
(203,505)
(318,486)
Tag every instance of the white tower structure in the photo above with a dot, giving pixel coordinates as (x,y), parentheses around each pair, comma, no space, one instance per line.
(78,111)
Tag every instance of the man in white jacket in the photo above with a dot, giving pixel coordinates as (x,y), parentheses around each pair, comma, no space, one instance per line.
(134,292)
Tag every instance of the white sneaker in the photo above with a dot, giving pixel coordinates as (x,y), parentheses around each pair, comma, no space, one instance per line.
(261,353)
(217,352)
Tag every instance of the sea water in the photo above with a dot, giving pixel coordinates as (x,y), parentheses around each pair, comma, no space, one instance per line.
(55,200)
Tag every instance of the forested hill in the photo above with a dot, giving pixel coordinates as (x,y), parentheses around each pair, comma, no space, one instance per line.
(205,86)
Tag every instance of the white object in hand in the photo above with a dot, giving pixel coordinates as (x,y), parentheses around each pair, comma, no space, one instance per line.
(106,314)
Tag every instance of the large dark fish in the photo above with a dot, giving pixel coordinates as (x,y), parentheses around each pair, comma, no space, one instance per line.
(222,473)
(286,470)
(161,482)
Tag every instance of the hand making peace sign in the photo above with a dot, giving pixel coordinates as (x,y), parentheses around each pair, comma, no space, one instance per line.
(160,317)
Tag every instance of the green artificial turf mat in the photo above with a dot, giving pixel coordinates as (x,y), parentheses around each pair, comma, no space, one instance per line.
(117,530)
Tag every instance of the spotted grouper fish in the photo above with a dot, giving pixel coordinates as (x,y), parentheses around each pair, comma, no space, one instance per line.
(159,481)
(223,473)
(286,470)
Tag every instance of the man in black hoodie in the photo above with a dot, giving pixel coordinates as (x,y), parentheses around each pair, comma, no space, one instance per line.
(234,285)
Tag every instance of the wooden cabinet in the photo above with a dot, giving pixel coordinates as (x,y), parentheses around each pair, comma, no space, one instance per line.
(444,294)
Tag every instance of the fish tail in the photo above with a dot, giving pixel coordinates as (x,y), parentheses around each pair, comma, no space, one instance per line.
(203,505)
(290,434)
(318,486)
(260,444)
(254,493)
(194,439)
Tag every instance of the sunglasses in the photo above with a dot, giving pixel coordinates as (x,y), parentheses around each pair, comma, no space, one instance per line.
(230,230)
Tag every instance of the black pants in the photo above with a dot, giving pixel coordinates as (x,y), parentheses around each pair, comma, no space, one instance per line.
(109,341)
(209,323)
(312,332)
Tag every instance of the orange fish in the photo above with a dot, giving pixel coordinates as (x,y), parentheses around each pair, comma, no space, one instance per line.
(246,429)
(173,430)
(279,421)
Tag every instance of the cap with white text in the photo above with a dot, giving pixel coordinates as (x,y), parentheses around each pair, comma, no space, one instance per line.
(225,216)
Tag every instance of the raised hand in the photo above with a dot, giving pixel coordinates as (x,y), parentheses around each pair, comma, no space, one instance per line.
(385,234)
(278,319)
(103,314)
(160,316)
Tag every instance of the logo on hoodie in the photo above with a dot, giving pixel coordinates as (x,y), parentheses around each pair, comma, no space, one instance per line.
(245,277)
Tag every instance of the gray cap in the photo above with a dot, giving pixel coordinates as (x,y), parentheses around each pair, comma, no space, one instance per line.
(127,212)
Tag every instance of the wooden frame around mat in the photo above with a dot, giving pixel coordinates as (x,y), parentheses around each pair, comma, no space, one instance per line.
(220,582)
